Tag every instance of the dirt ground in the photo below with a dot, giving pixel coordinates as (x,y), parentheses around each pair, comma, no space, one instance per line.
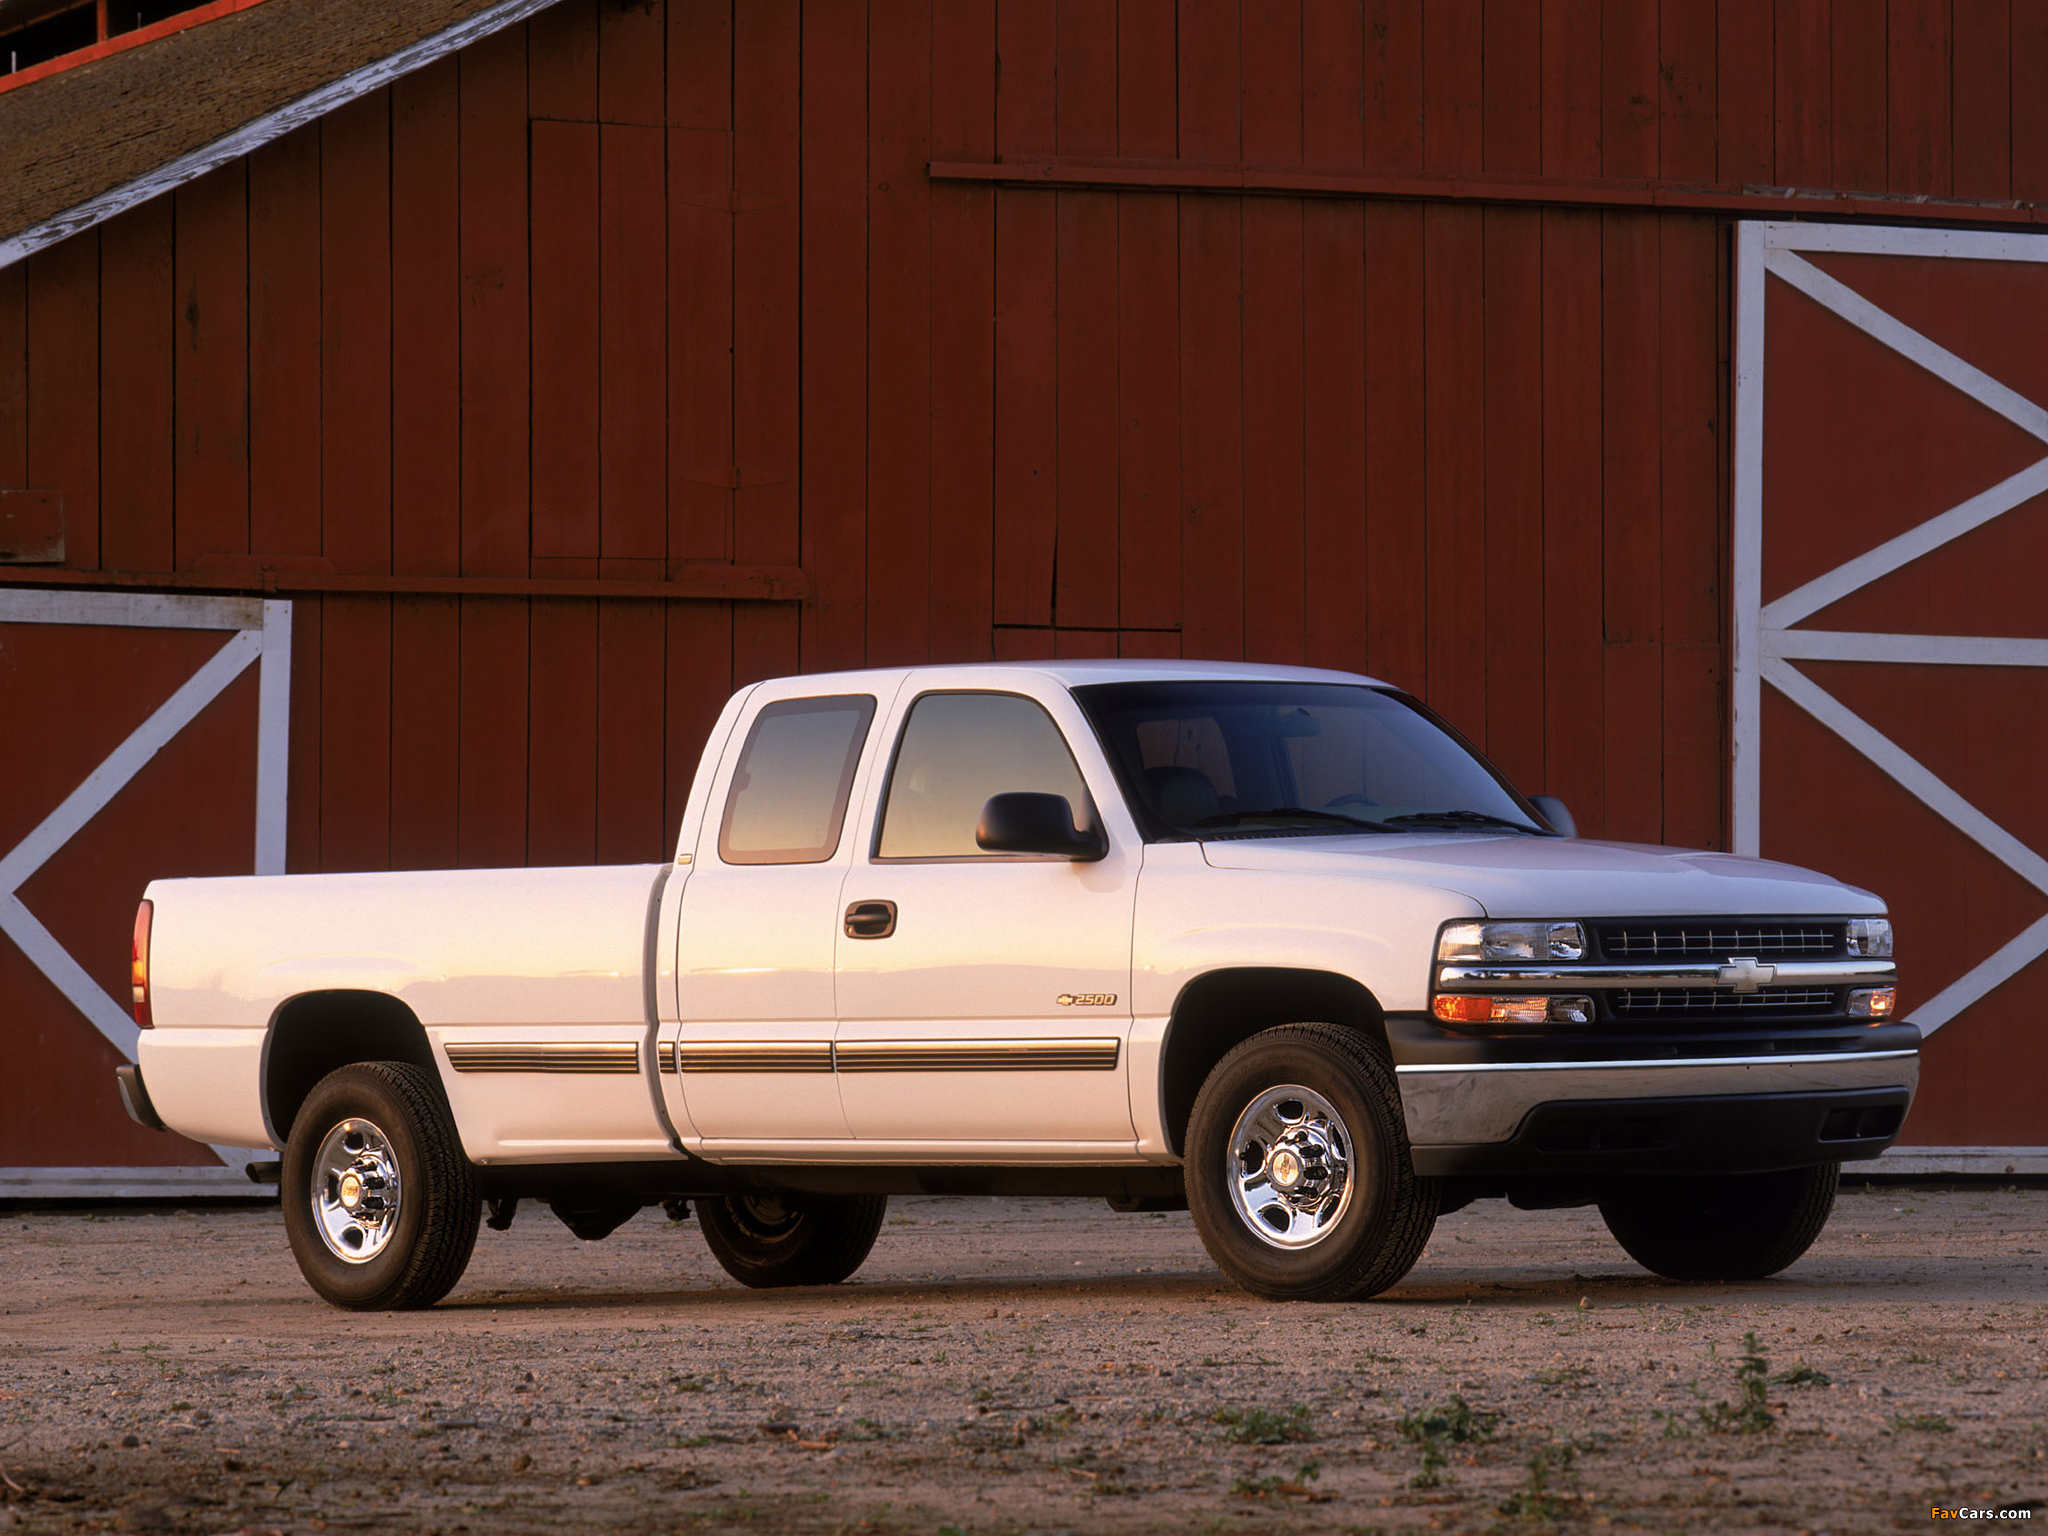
(1026,1366)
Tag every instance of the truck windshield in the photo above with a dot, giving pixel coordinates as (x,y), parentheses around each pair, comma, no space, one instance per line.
(1265,759)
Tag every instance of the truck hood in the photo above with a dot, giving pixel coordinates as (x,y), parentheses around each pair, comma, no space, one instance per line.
(1513,875)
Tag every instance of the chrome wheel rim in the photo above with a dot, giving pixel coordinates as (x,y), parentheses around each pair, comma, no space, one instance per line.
(1288,1167)
(355,1191)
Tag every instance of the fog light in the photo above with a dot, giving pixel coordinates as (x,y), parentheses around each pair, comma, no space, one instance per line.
(1873,1002)
(1460,1008)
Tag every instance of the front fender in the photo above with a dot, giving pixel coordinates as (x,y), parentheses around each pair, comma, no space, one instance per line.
(1193,918)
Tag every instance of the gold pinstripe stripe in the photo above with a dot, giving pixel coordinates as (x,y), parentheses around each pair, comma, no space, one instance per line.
(746,1056)
(1095,1055)
(977,1055)
(604,1056)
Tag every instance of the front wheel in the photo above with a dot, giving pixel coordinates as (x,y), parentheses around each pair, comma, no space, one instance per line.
(380,1205)
(774,1238)
(1738,1227)
(1298,1171)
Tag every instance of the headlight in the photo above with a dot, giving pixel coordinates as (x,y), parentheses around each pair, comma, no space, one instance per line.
(1871,937)
(1467,943)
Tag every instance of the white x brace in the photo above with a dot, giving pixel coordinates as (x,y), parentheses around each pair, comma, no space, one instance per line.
(262,633)
(1767,645)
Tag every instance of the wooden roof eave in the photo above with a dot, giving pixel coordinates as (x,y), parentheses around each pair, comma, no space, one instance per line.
(262,129)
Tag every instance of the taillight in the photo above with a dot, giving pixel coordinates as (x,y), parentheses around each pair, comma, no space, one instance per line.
(138,967)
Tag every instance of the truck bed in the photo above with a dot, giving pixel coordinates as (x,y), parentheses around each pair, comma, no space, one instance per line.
(502,966)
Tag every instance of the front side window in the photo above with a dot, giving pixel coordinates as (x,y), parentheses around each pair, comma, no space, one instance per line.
(788,797)
(1264,759)
(958,750)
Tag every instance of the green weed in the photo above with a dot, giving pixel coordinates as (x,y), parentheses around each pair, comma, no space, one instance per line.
(1264,1426)
(1802,1376)
(1248,1487)
(1538,1498)
(1675,1427)
(1454,1421)
(1751,1413)
(1060,1423)
(1927,1423)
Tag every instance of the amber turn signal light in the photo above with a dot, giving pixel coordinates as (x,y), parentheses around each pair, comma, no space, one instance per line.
(1463,1008)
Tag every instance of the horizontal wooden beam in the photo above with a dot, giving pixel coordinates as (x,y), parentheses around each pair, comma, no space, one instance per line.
(692,583)
(1131,175)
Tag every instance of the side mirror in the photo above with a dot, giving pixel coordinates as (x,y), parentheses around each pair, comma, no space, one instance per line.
(1033,823)
(1555,813)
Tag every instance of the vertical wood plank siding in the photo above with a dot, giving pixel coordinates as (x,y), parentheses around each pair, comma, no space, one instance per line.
(627,287)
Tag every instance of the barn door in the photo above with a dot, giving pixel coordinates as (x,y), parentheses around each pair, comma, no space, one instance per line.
(144,736)
(1891,623)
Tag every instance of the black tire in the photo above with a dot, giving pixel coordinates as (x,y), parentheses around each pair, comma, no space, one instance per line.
(778,1238)
(1346,1248)
(1737,1227)
(404,1259)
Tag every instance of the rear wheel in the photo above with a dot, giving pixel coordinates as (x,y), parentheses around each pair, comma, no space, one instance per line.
(1739,1227)
(1298,1171)
(775,1238)
(380,1205)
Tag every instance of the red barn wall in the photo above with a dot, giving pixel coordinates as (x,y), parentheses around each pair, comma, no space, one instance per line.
(630,286)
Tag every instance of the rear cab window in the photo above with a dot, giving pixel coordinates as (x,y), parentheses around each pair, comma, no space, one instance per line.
(789,792)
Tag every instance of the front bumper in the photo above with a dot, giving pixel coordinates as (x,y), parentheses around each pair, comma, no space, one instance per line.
(1702,1114)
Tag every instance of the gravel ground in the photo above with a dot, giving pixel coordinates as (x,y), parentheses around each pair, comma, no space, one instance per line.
(1014,1366)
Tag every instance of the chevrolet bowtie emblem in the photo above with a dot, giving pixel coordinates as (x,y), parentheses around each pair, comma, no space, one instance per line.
(1745,975)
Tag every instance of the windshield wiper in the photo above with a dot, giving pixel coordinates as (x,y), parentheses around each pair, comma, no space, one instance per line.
(1238,818)
(1455,819)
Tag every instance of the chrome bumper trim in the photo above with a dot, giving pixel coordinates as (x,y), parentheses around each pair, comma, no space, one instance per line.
(1814,973)
(1467,1104)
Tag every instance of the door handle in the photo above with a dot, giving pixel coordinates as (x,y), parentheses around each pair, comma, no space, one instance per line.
(871,919)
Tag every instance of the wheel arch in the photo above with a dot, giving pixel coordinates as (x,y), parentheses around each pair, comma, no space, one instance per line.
(1219,1010)
(316,1033)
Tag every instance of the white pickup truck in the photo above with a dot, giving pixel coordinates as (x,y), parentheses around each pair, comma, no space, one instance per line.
(1269,941)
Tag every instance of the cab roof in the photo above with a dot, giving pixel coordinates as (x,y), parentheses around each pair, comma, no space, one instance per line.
(1079,673)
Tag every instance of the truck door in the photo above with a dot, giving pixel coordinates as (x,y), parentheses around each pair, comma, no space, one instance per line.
(752,1054)
(984,1000)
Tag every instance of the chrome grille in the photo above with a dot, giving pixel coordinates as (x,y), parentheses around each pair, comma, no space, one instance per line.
(1671,1002)
(1670,939)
